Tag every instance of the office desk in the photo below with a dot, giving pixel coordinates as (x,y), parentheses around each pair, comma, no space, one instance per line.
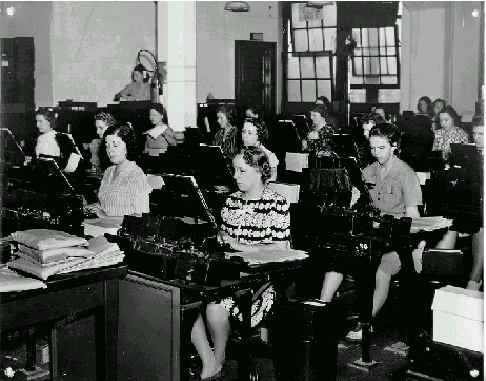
(66,294)
(156,317)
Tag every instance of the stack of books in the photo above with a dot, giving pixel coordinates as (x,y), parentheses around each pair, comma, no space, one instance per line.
(44,252)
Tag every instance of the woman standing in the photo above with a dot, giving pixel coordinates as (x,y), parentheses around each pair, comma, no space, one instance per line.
(448,133)
(253,134)
(253,218)
(227,137)
(124,189)
(161,135)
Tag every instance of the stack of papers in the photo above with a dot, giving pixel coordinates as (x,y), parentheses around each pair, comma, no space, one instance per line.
(429,223)
(44,263)
(11,281)
(96,227)
(270,256)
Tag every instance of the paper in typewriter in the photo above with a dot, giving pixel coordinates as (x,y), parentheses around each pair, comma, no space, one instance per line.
(263,256)
(429,223)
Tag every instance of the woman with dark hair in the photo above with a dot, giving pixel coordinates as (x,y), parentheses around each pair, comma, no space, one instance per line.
(138,89)
(55,144)
(254,134)
(255,111)
(368,121)
(448,133)
(437,105)
(424,106)
(331,119)
(396,191)
(227,136)
(319,137)
(99,159)
(254,218)
(124,189)
(161,135)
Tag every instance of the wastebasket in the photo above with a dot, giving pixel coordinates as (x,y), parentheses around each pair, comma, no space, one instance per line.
(307,336)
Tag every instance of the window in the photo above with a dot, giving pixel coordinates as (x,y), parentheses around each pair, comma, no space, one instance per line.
(310,59)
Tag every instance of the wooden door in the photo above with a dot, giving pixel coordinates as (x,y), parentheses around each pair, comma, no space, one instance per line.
(255,74)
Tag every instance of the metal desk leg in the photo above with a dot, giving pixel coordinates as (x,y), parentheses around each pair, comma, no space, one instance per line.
(244,360)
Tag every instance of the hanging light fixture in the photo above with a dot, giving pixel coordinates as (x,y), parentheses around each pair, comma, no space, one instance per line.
(237,6)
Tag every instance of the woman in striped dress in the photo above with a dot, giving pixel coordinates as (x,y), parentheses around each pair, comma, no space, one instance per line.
(124,189)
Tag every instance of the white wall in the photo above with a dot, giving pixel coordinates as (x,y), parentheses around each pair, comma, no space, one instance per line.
(217,30)
(422,56)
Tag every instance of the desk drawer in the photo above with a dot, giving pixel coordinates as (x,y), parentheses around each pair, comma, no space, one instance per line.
(50,305)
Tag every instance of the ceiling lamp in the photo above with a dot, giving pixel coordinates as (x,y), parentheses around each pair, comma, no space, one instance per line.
(318,4)
(237,6)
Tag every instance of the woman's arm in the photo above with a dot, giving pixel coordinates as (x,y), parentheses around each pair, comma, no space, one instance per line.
(170,136)
(412,211)
(225,238)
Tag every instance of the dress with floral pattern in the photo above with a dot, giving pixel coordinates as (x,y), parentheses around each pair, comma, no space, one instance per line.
(443,140)
(320,142)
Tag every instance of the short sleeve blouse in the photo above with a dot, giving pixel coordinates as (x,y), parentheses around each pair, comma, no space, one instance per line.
(400,189)
(127,194)
(443,139)
(265,220)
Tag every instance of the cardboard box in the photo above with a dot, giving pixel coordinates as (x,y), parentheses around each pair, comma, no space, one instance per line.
(289,191)
(296,161)
(458,318)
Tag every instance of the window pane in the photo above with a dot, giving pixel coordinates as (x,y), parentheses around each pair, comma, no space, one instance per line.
(315,40)
(356,80)
(307,67)
(293,88)
(358,52)
(324,88)
(330,15)
(392,65)
(390,36)
(390,51)
(364,38)
(375,65)
(366,51)
(293,67)
(372,80)
(295,17)
(334,65)
(301,40)
(314,23)
(373,37)
(309,91)
(358,66)
(384,69)
(329,37)
(374,52)
(357,96)
(390,80)
(366,66)
(388,95)
(322,67)
(382,37)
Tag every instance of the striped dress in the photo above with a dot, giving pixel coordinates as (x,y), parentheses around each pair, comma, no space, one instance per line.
(127,194)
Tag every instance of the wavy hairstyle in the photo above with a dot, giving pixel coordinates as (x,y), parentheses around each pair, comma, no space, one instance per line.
(321,109)
(107,118)
(161,110)
(372,117)
(450,110)
(126,133)
(387,131)
(261,128)
(256,158)
(231,114)
(49,114)
(427,100)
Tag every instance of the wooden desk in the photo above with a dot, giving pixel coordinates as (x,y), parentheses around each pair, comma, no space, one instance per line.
(66,294)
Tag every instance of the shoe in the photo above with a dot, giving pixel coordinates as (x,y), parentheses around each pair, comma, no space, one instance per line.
(213,377)
(356,335)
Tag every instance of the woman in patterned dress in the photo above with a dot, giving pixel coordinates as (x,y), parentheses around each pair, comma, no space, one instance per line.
(448,133)
(227,136)
(124,189)
(319,137)
(253,218)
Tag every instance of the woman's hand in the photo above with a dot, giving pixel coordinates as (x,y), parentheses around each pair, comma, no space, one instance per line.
(95,209)
(225,239)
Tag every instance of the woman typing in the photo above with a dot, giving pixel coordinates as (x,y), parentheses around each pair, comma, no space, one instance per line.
(253,218)
(138,89)
(124,189)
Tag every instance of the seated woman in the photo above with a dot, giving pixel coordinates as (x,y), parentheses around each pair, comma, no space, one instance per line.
(437,105)
(318,139)
(368,121)
(55,144)
(448,133)
(99,158)
(253,134)
(138,89)
(255,111)
(253,218)
(331,119)
(124,189)
(227,137)
(161,135)
(396,192)
(425,107)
